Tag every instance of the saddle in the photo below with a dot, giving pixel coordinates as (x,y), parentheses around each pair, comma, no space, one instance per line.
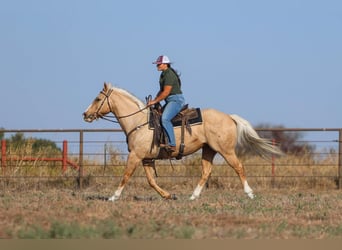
(184,119)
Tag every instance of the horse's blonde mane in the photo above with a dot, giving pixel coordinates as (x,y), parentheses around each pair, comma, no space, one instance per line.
(139,103)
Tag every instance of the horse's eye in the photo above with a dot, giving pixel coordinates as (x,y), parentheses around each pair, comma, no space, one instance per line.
(97,99)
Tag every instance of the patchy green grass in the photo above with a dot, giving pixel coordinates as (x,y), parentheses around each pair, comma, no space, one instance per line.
(217,214)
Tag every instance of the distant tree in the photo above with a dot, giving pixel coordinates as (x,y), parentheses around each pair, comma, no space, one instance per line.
(46,145)
(43,143)
(2,134)
(288,141)
(18,141)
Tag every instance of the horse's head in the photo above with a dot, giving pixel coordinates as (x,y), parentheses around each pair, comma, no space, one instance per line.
(100,106)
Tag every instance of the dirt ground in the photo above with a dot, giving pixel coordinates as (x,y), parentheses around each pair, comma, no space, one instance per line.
(141,214)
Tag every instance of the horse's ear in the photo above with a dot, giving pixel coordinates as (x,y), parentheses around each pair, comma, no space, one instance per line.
(106,86)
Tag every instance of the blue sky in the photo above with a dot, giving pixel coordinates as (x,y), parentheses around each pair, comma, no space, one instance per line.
(275,62)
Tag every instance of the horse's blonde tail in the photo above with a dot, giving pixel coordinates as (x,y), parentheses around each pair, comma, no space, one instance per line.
(250,140)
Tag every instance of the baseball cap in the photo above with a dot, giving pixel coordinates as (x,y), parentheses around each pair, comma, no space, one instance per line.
(162,59)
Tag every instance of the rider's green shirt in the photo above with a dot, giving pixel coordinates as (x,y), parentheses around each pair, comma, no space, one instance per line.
(168,77)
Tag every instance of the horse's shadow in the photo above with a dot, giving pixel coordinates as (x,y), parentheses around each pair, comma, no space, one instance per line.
(96,197)
(135,198)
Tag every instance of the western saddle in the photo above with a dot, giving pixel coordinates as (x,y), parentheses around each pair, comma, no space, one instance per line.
(184,119)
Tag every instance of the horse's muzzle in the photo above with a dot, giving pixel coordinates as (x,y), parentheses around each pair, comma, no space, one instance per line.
(88,117)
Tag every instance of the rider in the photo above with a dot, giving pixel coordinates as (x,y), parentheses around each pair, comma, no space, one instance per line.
(170,91)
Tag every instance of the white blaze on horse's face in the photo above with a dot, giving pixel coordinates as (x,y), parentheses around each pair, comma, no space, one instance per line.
(99,107)
(87,116)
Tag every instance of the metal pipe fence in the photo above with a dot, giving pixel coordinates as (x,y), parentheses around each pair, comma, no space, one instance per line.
(101,153)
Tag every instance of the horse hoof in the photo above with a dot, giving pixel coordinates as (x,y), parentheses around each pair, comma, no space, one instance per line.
(172,197)
(251,195)
(113,198)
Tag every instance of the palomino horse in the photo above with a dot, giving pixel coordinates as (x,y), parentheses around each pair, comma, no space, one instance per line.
(218,133)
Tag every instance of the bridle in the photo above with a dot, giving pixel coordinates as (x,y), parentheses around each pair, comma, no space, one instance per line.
(110,117)
(97,114)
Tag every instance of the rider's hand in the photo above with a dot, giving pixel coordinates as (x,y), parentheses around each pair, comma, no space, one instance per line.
(150,103)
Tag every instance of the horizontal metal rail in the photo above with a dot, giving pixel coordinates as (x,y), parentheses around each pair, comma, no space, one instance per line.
(81,142)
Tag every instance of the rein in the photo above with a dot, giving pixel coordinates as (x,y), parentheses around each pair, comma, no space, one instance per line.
(109,117)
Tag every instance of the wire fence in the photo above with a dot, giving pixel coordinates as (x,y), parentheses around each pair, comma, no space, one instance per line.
(90,157)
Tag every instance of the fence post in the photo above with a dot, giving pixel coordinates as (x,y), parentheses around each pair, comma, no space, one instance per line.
(80,170)
(340,159)
(273,167)
(3,156)
(105,159)
(65,156)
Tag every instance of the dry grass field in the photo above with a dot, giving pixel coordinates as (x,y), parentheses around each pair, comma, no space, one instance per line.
(220,213)
(301,202)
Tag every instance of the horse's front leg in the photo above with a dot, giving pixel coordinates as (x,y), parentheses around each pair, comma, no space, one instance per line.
(151,180)
(132,163)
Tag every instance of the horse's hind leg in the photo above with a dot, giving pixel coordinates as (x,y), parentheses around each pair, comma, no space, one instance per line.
(207,160)
(234,162)
(153,183)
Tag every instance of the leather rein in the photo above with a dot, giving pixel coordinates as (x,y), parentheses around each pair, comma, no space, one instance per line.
(110,117)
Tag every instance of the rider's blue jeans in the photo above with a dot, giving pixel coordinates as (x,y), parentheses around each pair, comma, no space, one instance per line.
(174,104)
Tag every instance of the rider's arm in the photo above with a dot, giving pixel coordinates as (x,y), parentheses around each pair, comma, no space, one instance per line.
(161,95)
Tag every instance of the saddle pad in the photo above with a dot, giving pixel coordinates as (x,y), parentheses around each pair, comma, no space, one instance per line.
(193,120)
